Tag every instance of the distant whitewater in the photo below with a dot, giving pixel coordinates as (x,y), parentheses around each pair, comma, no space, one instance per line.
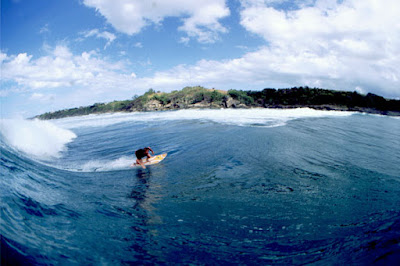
(264,186)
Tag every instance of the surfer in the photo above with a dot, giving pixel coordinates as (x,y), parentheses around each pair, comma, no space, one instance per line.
(141,153)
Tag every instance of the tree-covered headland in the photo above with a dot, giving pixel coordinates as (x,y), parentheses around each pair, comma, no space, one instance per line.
(200,97)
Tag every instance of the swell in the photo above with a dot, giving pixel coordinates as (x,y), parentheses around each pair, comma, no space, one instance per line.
(373,242)
(57,216)
(32,198)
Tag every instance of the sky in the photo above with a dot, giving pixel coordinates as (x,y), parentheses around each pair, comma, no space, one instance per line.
(70,53)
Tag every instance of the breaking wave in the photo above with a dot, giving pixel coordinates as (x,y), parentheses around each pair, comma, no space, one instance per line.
(241,117)
(36,138)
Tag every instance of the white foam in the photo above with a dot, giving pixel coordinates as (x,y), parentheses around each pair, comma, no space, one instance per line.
(96,120)
(40,139)
(103,165)
(241,117)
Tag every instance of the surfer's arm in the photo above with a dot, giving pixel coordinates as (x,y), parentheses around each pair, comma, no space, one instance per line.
(148,153)
(151,150)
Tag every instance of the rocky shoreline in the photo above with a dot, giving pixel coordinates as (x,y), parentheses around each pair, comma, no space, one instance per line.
(155,105)
(202,98)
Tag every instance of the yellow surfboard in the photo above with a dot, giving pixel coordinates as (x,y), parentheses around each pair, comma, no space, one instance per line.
(153,160)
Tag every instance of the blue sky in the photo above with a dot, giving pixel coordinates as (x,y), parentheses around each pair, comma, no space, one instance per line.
(69,53)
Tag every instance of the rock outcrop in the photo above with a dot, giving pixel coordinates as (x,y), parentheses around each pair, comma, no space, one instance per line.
(155,105)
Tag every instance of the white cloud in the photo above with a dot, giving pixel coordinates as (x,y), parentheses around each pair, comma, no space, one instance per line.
(348,45)
(110,37)
(200,18)
(185,40)
(342,44)
(5,92)
(44,29)
(60,68)
(249,71)
(3,57)
(43,98)
(138,45)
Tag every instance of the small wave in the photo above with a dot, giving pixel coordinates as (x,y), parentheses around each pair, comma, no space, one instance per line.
(40,139)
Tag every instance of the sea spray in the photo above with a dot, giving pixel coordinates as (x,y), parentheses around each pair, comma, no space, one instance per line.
(40,139)
(121,163)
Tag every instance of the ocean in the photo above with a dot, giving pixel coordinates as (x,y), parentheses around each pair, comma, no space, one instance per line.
(254,186)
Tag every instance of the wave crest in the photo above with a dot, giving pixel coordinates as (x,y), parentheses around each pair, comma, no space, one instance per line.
(37,138)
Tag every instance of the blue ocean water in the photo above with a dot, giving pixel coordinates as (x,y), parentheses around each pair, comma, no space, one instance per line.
(252,186)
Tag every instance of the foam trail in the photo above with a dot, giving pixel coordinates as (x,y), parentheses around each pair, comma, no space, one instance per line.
(37,138)
(104,165)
